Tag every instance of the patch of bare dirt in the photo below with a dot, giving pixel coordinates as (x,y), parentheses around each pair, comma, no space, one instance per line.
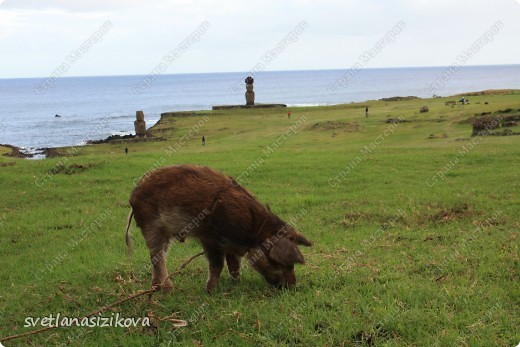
(71,169)
(396,120)
(450,214)
(336,126)
(8,163)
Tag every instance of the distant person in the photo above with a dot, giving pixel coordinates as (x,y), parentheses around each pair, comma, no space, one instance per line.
(366,112)
(462,100)
(203,140)
(126,150)
(289,114)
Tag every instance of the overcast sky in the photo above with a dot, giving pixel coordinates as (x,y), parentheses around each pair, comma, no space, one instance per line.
(126,37)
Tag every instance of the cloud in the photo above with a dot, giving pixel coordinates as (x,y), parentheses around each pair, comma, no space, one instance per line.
(338,32)
(66,5)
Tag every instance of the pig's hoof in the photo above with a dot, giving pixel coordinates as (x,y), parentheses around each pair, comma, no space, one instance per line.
(167,286)
(235,275)
(210,287)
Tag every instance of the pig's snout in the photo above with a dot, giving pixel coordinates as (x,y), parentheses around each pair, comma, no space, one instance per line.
(284,279)
(289,278)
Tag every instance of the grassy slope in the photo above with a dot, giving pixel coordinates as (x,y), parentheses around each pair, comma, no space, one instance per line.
(396,261)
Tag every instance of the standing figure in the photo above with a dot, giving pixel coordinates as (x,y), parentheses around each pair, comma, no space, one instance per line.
(203,140)
(140,124)
(250,94)
(366,112)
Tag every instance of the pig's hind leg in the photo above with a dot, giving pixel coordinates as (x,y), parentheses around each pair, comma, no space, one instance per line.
(159,247)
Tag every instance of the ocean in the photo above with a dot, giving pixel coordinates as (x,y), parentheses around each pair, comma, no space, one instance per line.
(92,108)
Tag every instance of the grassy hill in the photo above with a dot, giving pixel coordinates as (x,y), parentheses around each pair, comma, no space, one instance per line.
(414,222)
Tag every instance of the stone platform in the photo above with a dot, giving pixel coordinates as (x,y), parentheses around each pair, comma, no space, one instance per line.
(229,107)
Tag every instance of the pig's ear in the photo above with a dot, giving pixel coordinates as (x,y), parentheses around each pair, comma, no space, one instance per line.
(286,253)
(301,240)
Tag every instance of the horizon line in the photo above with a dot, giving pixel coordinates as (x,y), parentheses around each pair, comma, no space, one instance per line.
(249,72)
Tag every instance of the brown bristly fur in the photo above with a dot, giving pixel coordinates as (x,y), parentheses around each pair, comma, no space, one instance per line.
(128,238)
(189,200)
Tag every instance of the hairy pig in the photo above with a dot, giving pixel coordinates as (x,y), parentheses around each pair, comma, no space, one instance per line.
(188,200)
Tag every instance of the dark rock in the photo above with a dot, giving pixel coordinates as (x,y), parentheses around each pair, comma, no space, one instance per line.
(16,152)
(482,126)
(400,98)
(230,107)
(512,118)
(110,138)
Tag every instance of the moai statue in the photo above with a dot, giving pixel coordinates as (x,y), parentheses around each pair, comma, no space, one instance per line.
(250,94)
(140,124)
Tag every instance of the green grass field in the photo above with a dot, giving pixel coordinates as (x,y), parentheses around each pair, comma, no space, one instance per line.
(415,228)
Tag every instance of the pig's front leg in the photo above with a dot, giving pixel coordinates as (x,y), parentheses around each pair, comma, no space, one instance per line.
(216,263)
(233,264)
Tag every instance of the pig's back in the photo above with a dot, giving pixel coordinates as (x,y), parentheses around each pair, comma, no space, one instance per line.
(190,186)
(170,198)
